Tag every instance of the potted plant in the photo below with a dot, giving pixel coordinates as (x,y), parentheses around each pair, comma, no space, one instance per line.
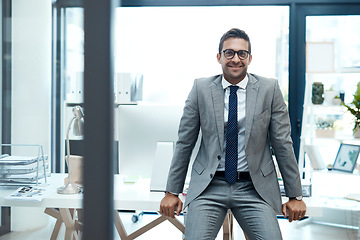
(330,95)
(325,128)
(355,111)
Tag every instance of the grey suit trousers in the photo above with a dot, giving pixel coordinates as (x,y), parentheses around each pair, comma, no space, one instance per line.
(206,213)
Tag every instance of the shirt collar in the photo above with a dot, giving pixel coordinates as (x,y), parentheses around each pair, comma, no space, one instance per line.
(242,84)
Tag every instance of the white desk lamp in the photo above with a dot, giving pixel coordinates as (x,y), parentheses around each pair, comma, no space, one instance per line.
(78,129)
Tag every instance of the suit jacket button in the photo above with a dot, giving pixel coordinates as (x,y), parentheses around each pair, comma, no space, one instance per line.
(219,157)
(211,175)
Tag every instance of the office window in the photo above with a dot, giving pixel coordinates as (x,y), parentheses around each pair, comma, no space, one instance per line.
(74,58)
(171,47)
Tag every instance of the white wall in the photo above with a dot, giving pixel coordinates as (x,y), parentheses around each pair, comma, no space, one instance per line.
(31,72)
(31,89)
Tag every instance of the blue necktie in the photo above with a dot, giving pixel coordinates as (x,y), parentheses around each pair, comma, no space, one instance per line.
(231,154)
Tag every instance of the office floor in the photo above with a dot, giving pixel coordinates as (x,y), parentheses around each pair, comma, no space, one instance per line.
(165,231)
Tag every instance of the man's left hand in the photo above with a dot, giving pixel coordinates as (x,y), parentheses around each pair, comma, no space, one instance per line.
(294,209)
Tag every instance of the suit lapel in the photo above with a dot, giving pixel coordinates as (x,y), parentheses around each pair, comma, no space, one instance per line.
(218,100)
(252,90)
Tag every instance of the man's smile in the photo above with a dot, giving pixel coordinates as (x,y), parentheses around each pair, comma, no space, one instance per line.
(236,67)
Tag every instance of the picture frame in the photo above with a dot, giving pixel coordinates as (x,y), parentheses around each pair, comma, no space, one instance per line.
(346,157)
(320,57)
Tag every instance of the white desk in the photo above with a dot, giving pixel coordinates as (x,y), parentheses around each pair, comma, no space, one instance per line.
(126,197)
(135,196)
(329,190)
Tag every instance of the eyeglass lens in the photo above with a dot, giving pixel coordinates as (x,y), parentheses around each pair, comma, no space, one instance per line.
(229,54)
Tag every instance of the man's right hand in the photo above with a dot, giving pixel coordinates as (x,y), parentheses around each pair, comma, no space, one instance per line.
(170,204)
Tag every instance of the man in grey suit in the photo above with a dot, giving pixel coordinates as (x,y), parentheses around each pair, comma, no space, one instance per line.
(251,190)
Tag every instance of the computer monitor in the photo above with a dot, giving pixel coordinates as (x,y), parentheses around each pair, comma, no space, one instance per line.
(140,129)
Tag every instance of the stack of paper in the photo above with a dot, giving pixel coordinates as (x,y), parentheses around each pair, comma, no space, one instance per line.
(22,169)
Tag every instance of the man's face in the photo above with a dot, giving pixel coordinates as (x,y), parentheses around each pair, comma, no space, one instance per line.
(234,69)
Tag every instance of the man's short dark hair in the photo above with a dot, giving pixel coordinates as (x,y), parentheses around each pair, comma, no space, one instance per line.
(234,33)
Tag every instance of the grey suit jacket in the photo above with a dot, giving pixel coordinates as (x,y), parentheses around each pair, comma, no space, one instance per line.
(267,122)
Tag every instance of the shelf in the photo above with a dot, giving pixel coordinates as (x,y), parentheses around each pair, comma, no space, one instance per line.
(355,69)
(341,138)
(318,109)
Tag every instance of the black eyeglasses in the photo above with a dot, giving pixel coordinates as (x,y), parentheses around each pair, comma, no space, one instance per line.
(242,54)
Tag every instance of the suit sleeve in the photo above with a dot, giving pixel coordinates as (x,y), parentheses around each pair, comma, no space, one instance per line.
(280,137)
(187,136)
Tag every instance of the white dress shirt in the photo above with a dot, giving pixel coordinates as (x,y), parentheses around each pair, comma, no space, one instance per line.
(241,107)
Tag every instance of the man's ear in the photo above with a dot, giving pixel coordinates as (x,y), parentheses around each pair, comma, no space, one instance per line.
(218,56)
(250,58)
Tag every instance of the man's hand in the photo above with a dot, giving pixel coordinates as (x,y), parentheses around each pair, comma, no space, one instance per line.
(170,204)
(294,209)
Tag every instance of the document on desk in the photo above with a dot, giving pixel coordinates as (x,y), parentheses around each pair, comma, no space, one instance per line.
(353,196)
(27,193)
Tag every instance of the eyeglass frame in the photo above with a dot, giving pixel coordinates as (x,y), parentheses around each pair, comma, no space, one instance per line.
(236,52)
